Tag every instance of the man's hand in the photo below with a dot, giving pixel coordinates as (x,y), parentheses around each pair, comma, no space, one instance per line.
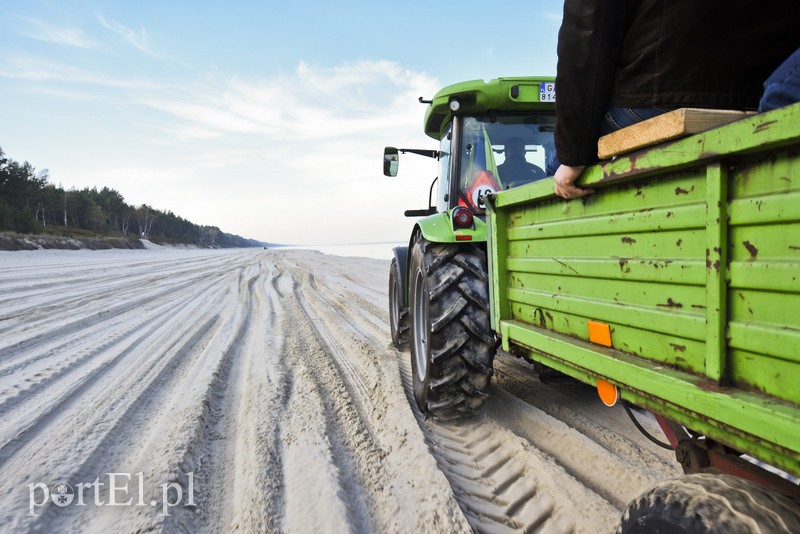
(564,179)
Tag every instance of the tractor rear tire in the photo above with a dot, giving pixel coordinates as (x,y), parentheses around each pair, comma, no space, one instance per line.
(452,343)
(398,312)
(709,503)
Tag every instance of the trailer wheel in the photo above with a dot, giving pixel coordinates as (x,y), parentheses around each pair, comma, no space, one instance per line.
(452,344)
(398,312)
(709,503)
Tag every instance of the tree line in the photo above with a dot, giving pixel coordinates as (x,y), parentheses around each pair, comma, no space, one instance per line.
(30,204)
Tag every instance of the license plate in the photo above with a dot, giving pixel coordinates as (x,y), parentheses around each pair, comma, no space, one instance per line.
(547,92)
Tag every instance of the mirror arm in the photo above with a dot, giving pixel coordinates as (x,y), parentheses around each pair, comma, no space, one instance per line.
(428,153)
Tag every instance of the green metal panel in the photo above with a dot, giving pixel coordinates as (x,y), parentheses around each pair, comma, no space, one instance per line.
(496,223)
(748,422)
(690,252)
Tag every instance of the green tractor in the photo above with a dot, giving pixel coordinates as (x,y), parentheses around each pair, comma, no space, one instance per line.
(492,136)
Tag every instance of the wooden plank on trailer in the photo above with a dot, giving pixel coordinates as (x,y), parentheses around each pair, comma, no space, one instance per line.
(670,125)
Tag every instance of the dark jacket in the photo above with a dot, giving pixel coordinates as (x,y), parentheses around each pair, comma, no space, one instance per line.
(672,53)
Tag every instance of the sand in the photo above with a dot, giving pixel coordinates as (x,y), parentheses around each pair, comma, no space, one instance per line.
(257,390)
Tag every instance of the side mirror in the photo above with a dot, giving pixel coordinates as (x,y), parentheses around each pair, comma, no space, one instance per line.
(391,160)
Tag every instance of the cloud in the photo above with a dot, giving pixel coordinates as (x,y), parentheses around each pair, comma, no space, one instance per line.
(371,99)
(36,68)
(354,99)
(136,39)
(43,31)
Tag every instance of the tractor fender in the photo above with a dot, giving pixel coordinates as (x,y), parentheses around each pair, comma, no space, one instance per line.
(401,259)
(438,228)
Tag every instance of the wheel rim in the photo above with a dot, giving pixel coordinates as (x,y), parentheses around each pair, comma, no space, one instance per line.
(420,327)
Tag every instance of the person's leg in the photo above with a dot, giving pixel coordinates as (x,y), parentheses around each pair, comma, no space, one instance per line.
(783,86)
(618,117)
(552,164)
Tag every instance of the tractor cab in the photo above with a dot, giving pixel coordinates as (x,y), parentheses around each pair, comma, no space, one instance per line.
(492,136)
(495,152)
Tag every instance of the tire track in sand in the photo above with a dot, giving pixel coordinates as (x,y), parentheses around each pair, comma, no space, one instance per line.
(495,484)
(236,454)
(365,446)
(83,450)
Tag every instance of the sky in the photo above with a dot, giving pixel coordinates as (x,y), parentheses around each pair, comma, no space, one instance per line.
(266,119)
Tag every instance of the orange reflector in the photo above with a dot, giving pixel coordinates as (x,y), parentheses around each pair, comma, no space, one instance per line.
(463,238)
(600,333)
(608,392)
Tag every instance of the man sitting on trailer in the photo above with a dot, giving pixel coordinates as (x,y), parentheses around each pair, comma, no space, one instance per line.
(621,62)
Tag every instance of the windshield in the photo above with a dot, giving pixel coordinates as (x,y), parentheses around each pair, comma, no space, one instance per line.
(503,151)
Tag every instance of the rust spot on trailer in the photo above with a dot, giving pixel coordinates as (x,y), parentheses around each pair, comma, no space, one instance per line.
(678,348)
(679,242)
(751,249)
(709,263)
(764,126)
(709,385)
(567,266)
(623,265)
(538,311)
(628,240)
(794,247)
(698,306)
(671,304)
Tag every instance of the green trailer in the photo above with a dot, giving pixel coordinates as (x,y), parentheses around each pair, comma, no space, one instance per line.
(675,287)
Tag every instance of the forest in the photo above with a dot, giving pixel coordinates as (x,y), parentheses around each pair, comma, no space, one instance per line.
(30,204)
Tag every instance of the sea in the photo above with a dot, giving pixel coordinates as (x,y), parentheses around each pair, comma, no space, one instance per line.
(381,251)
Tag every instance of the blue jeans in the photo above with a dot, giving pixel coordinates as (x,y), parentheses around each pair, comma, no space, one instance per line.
(616,118)
(783,86)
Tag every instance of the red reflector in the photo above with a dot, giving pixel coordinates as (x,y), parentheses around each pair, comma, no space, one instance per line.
(463,238)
